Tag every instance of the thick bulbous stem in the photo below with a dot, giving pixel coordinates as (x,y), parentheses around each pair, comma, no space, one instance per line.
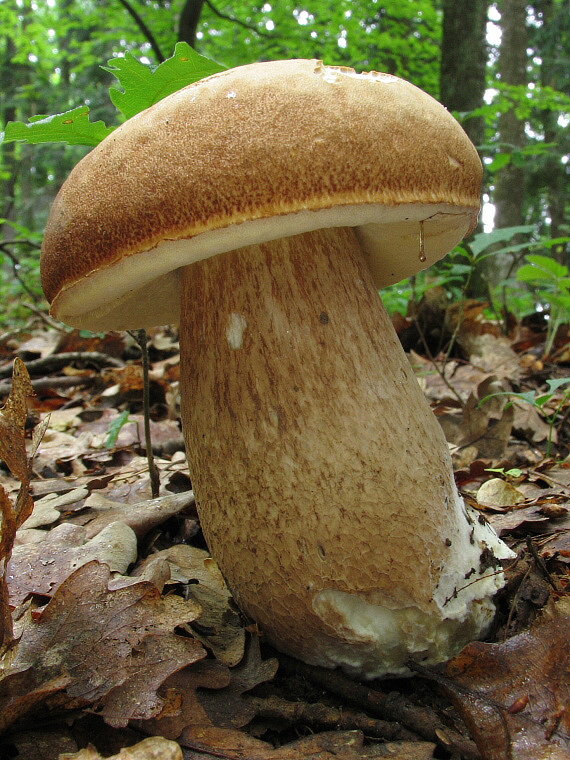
(323,480)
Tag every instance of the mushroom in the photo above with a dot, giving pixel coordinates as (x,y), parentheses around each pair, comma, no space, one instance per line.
(262,208)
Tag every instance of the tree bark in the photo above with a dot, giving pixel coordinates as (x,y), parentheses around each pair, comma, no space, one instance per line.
(551,180)
(189,19)
(510,180)
(464,60)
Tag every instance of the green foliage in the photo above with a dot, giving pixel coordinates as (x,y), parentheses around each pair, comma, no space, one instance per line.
(540,401)
(72,127)
(144,86)
(115,428)
(20,256)
(550,283)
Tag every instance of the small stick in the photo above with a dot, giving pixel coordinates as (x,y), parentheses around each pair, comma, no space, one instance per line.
(329,717)
(141,339)
(423,721)
(56,361)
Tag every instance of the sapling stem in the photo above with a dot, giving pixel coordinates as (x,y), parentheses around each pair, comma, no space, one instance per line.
(140,337)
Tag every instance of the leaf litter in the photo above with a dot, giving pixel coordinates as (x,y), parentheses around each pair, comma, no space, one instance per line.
(114,612)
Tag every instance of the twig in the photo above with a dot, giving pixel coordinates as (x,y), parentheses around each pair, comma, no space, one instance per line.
(56,361)
(144,29)
(239,22)
(44,383)
(422,721)
(440,371)
(329,717)
(5,248)
(45,317)
(141,339)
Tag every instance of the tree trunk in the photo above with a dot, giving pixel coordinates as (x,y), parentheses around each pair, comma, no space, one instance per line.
(553,175)
(189,18)
(510,180)
(464,60)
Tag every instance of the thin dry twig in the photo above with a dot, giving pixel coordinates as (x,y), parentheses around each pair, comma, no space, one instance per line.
(57,361)
(323,716)
(421,720)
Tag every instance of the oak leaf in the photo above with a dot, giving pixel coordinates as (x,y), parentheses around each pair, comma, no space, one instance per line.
(100,647)
(515,696)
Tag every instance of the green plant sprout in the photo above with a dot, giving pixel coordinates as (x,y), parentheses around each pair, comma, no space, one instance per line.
(513,472)
(539,402)
(550,282)
(115,427)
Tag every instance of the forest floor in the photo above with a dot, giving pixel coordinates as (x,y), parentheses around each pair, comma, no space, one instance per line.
(118,630)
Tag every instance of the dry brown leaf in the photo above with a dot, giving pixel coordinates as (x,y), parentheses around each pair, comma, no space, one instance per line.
(182,705)
(228,707)
(328,745)
(153,748)
(515,696)
(38,568)
(524,521)
(141,517)
(211,695)
(13,417)
(90,641)
(488,427)
(497,492)
(219,627)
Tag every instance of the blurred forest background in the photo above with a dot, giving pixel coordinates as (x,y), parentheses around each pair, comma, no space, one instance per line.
(503,69)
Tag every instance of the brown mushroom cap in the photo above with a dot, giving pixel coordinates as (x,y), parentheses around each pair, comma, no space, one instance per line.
(250,155)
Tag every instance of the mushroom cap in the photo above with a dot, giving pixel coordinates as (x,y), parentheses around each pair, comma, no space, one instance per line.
(249,155)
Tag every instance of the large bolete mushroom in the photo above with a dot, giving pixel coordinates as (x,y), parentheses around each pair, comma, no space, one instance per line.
(262,208)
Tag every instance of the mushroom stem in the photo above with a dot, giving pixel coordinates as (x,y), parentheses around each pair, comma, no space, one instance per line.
(323,479)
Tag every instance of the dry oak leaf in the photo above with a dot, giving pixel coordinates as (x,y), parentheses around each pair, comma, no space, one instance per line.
(208,742)
(90,642)
(153,748)
(219,627)
(211,695)
(38,568)
(515,696)
(488,427)
(497,492)
(142,516)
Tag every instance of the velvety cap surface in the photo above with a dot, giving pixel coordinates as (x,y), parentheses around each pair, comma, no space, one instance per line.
(249,155)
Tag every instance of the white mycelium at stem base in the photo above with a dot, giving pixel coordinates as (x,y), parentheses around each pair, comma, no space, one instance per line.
(265,205)
(323,481)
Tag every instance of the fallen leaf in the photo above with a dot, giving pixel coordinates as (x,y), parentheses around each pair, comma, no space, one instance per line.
(38,568)
(327,745)
(211,695)
(89,641)
(488,427)
(497,492)
(141,516)
(153,748)
(228,707)
(515,696)
(219,627)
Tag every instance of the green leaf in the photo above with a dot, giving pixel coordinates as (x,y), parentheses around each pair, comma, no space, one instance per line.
(553,242)
(530,273)
(555,383)
(499,161)
(115,428)
(143,86)
(485,239)
(72,127)
(548,263)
